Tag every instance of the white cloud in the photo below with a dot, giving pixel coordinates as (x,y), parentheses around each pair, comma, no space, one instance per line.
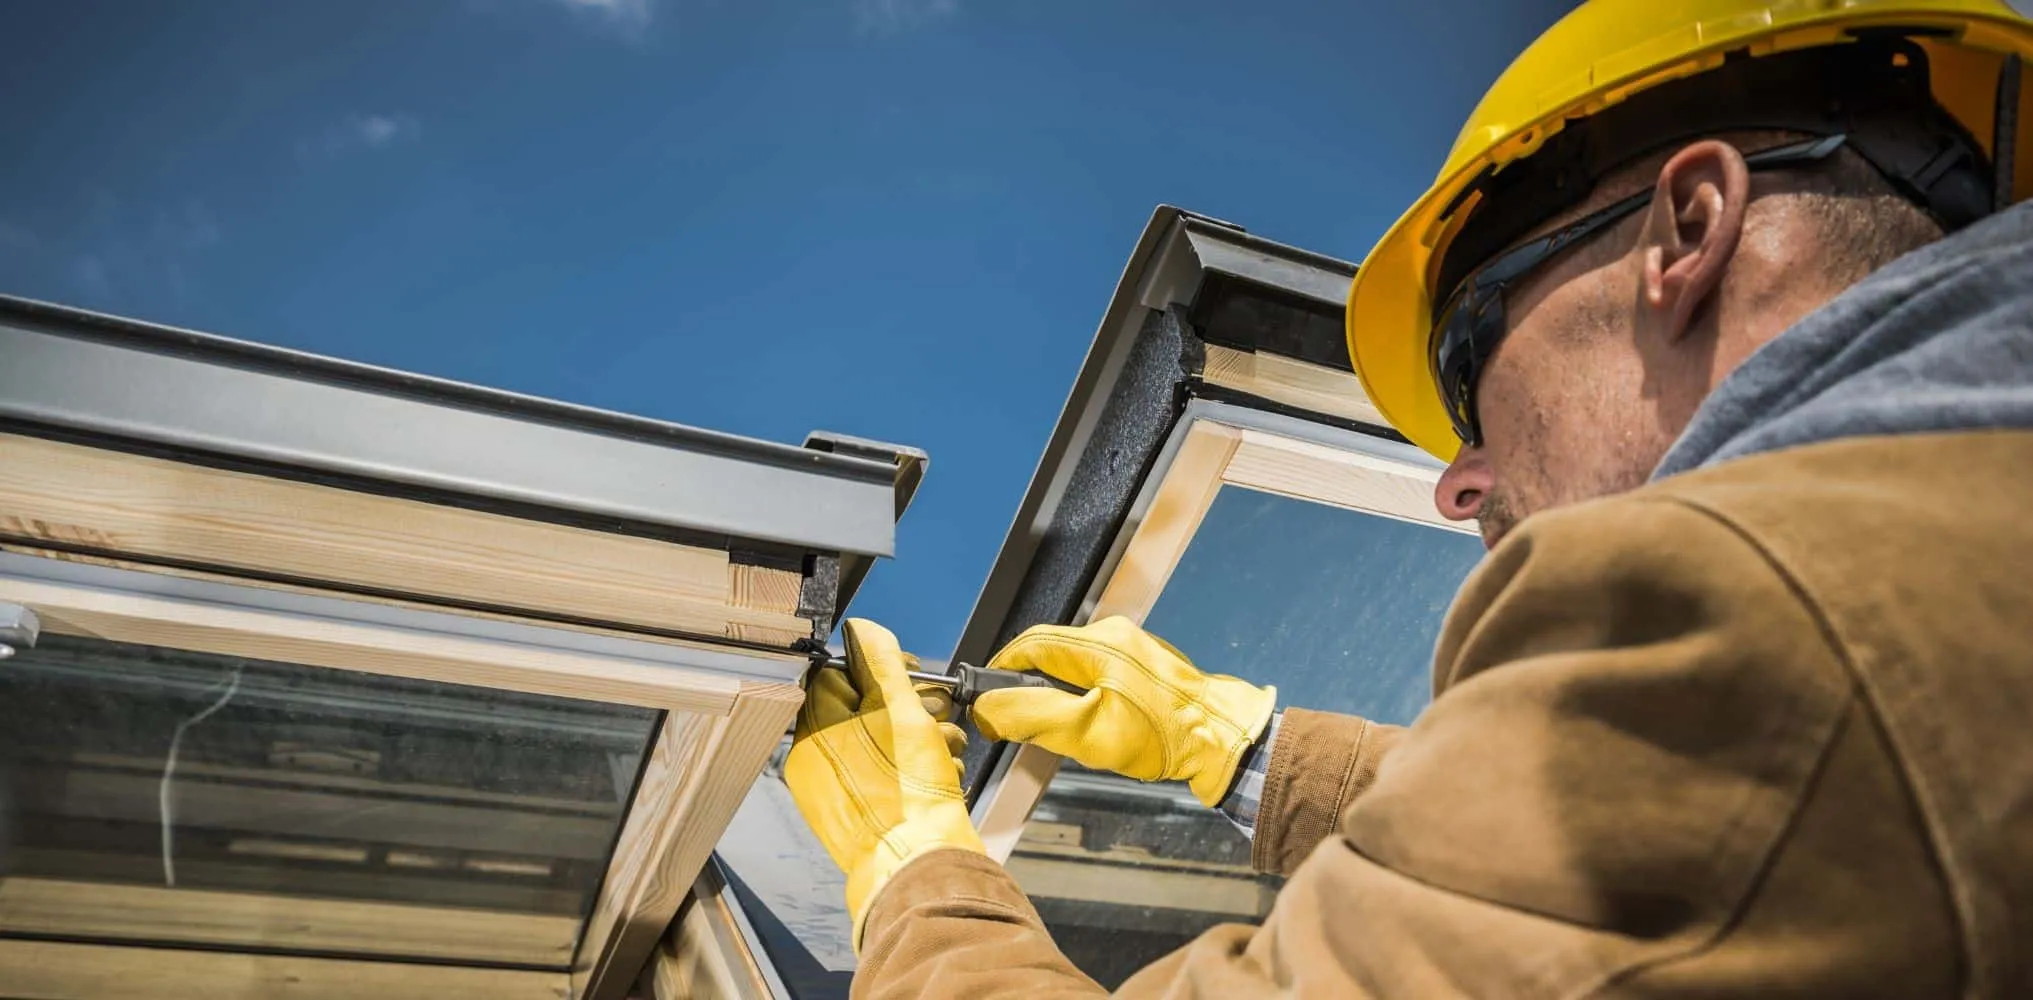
(629,17)
(887,17)
(360,132)
(628,20)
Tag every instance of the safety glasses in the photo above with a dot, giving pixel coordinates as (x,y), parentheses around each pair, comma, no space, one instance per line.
(1470,323)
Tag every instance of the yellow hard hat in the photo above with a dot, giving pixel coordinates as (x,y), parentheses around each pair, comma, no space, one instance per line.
(1601,55)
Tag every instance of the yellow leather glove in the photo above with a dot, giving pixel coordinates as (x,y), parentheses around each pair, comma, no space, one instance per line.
(1148,714)
(873,773)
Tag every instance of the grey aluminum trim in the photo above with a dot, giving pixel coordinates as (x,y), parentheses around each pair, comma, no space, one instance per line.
(1227,250)
(1172,794)
(19,628)
(909,465)
(118,378)
(313,607)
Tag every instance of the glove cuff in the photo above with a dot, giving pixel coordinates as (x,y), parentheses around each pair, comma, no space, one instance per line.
(898,847)
(1237,712)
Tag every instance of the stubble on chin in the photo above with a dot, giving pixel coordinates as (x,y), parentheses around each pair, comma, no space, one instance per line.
(1496,517)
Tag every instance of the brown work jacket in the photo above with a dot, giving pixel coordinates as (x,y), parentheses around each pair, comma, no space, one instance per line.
(1761,729)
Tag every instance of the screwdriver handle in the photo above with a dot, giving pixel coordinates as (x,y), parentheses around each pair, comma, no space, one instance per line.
(973,682)
(968,682)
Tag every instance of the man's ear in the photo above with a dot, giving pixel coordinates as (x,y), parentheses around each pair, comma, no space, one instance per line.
(1696,218)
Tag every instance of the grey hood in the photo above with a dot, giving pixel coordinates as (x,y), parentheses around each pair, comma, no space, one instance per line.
(1939,340)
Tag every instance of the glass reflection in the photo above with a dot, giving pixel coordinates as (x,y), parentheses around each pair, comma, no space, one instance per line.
(304,809)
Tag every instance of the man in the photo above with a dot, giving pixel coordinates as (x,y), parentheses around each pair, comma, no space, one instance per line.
(1733,361)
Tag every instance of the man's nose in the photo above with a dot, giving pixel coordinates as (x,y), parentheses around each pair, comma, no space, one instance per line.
(1464,486)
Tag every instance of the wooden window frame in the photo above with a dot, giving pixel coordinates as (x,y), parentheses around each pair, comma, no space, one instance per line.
(1335,392)
(155,510)
(709,953)
(723,713)
(1212,446)
(61,970)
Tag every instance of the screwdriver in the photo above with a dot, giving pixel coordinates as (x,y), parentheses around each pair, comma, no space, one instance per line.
(968,682)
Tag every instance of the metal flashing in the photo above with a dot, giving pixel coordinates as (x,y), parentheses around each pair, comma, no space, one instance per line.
(1224,249)
(82,372)
(909,465)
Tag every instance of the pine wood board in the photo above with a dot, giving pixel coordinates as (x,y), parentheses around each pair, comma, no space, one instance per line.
(1168,526)
(324,642)
(682,807)
(1319,474)
(704,957)
(49,970)
(764,588)
(1318,388)
(182,573)
(68,909)
(153,508)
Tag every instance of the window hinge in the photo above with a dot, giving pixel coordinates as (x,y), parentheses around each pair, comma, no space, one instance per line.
(18,628)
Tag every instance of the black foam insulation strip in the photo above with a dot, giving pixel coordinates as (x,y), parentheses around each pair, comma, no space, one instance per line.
(818,599)
(1247,316)
(1135,420)
(1133,425)
(784,560)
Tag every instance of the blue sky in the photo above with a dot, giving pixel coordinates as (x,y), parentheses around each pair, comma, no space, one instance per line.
(899,219)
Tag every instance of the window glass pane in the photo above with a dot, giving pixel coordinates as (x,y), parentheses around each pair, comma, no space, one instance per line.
(308,809)
(1340,610)
(1337,608)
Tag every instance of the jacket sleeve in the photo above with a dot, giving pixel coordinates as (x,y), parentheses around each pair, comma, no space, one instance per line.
(1645,774)
(1319,763)
(957,902)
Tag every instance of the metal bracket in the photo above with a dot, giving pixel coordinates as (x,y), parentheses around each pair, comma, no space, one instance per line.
(18,628)
(849,568)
